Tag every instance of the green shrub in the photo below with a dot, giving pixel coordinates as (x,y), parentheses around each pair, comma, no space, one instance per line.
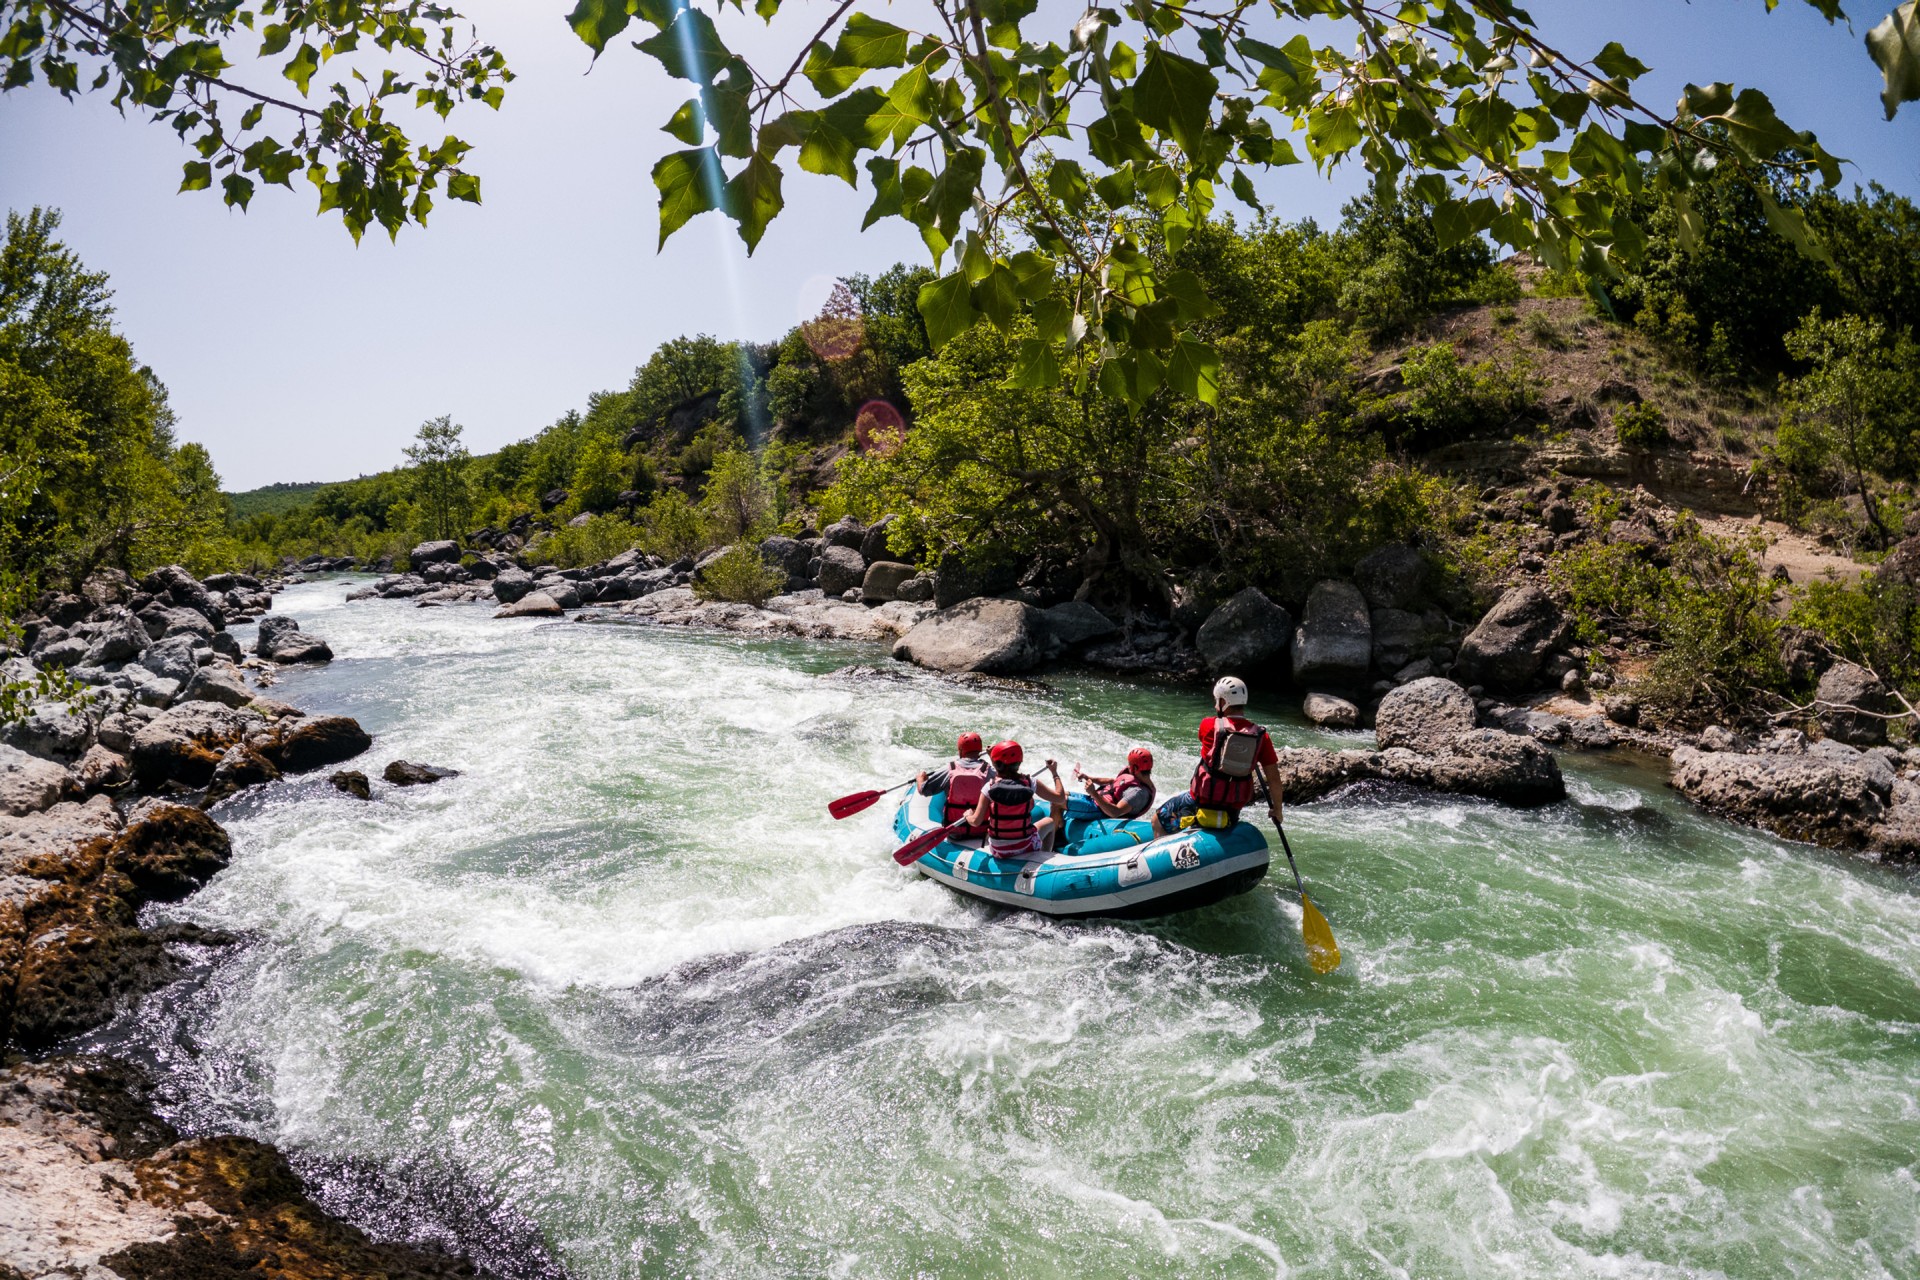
(600,538)
(1873,622)
(1446,401)
(1547,331)
(671,526)
(741,576)
(1641,426)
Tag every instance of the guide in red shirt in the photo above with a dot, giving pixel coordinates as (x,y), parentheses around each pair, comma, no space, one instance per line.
(1232,749)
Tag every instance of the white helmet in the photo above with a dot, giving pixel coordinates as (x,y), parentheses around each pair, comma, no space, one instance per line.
(1231,690)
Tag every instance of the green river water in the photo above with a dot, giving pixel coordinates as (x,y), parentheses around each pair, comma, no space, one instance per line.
(628,980)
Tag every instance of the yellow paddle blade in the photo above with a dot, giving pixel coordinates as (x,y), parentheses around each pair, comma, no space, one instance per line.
(1323,953)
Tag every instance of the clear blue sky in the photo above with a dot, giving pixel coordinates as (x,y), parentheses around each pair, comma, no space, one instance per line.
(294,355)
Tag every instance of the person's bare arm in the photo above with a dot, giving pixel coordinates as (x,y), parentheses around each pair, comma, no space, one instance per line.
(1276,792)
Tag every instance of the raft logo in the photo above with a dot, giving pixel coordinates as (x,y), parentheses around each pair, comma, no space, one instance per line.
(1186,858)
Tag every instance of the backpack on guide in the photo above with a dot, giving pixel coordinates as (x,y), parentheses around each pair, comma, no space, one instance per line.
(1224,777)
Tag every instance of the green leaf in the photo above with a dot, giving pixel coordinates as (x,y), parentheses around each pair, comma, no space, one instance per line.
(946,305)
(1792,224)
(690,49)
(1194,370)
(1243,188)
(1451,225)
(1332,131)
(238,190)
(274,38)
(753,197)
(1035,366)
(199,176)
(1116,189)
(687,124)
(598,21)
(1894,46)
(909,104)
(885,176)
(1175,96)
(464,186)
(1185,288)
(688,182)
(867,43)
(300,70)
(1033,274)
(828,78)
(1067,183)
(1052,318)
(997,297)
(1617,62)
(826,150)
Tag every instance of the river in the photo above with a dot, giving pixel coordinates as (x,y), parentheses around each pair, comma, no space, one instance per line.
(624,977)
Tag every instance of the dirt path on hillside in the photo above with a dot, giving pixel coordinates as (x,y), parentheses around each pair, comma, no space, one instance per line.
(1805,559)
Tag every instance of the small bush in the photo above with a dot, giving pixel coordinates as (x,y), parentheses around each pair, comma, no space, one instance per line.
(1504,316)
(600,538)
(739,576)
(1546,331)
(671,526)
(1446,400)
(1874,622)
(1641,426)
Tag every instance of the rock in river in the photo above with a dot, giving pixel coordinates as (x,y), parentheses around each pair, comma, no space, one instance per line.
(1245,635)
(1479,762)
(997,637)
(1330,711)
(535,604)
(1829,795)
(405,773)
(1424,715)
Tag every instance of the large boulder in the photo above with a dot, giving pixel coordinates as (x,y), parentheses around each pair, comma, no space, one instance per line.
(184,744)
(790,556)
(170,851)
(1423,716)
(428,553)
(1330,711)
(536,604)
(1506,649)
(281,640)
(120,638)
(510,585)
(176,659)
(846,532)
(1399,637)
(882,581)
(165,624)
(1394,577)
(312,742)
(1333,645)
(841,568)
(28,784)
(1480,762)
(996,637)
(1836,797)
(218,682)
(873,544)
(1073,623)
(1852,704)
(1247,634)
(54,729)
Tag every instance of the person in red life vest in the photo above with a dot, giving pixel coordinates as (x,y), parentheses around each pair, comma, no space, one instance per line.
(1232,749)
(1127,794)
(1005,808)
(962,778)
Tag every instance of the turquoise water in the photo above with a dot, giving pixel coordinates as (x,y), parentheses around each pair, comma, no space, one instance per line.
(626,974)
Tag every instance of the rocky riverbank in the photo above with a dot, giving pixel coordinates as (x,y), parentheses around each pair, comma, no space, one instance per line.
(103,803)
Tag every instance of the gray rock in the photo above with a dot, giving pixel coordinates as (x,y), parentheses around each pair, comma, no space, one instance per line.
(56,830)
(1717,737)
(1073,623)
(1506,650)
(1330,712)
(183,622)
(226,646)
(101,769)
(185,743)
(1850,705)
(1423,715)
(845,532)
(1622,709)
(1823,798)
(28,784)
(790,556)
(1393,577)
(841,568)
(218,682)
(536,604)
(512,584)
(1246,635)
(52,729)
(1479,762)
(1418,669)
(173,659)
(873,545)
(120,638)
(66,652)
(433,553)
(1398,638)
(882,581)
(1591,733)
(1333,645)
(996,637)
(916,590)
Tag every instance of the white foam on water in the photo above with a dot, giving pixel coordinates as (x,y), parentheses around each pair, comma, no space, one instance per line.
(627,973)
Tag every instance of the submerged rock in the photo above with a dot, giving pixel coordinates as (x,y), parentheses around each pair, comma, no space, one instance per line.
(353,782)
(405,773)
(535,604)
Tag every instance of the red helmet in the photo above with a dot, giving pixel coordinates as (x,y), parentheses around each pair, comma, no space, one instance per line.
(969,744)
(1140,760)
(1007,752)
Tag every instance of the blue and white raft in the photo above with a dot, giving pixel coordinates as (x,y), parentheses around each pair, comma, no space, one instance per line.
(1107,868)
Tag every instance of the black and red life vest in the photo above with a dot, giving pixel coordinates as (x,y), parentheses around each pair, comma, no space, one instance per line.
(1010,811)
(965,780)
(1224,777)
(1122,782)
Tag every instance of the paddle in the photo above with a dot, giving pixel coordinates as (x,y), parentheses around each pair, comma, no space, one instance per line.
(847,806)
(1323,953)
(912,851)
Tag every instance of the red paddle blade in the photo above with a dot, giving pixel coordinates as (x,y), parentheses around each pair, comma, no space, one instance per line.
(847,806)
(913,850)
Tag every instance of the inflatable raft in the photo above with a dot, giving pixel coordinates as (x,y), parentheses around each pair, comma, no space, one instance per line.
(1108,867)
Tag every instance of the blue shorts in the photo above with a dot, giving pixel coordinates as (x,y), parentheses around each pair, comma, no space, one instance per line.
(1171,811)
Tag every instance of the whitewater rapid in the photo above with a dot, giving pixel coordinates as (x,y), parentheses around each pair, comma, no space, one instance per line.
(626,978)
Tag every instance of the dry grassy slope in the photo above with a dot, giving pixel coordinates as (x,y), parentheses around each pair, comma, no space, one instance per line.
(1589,369)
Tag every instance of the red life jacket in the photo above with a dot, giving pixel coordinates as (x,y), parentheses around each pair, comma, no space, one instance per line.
(1224,777)
(1010,811)
(965,779)
(1122,783)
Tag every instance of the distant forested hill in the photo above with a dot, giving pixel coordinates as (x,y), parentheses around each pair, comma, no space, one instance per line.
(274,499)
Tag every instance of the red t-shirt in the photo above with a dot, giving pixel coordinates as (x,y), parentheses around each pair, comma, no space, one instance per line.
(1267,755)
